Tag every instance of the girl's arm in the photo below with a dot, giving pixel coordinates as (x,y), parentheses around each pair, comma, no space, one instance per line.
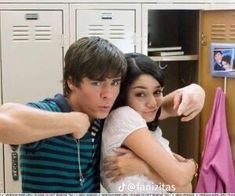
(126,163)
(156,178)
(169,169)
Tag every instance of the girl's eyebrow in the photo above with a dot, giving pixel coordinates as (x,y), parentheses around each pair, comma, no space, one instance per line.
(144,87)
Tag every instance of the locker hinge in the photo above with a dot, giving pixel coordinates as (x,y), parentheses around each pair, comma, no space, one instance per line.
(62,40)
(203,39)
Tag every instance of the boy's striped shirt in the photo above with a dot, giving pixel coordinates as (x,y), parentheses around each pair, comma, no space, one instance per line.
(51,165)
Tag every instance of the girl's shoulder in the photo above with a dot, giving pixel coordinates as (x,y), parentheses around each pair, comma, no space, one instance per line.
(125,114)
(124,111)
(123,121)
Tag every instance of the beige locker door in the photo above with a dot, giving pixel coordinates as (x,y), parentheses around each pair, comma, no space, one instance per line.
(1,170)
(117,26)
(31,54)
(1,146)
(32,62)
(217,27)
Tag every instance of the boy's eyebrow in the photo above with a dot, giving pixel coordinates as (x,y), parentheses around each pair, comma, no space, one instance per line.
(115,78)
(99,79)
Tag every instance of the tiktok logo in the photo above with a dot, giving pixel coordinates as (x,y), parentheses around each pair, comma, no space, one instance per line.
(122,187)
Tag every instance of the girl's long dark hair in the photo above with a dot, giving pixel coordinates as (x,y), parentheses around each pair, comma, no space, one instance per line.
(139,64)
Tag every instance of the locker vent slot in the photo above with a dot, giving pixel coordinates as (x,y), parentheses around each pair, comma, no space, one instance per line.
(43,32)
(95,30)
(20,32)
(218,32)
(232,32)
(117,31)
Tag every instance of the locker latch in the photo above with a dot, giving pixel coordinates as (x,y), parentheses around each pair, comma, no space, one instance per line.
(31,16)
(106,16)
(14,162)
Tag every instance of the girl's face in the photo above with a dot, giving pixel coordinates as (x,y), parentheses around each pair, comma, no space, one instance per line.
(145,96)
(225,64)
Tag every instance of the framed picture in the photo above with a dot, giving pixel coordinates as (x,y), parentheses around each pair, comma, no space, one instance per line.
(222,63)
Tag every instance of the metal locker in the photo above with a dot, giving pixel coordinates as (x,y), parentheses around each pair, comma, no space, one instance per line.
(117,26)
(32,64)
(1,170)
(1,145)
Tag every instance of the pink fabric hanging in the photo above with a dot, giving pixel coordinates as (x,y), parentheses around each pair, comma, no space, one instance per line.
(217,173)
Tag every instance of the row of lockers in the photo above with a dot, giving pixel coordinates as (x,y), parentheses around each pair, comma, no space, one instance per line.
(33,44)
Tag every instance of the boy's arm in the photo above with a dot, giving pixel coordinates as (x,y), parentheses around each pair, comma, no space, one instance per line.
(20,124)
(186,102)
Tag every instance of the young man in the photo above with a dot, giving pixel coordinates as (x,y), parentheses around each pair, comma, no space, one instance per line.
(218,66)
(61,148)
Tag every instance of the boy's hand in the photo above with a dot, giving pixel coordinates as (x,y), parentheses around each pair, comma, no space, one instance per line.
(124,163)
(189,101)
(81,124)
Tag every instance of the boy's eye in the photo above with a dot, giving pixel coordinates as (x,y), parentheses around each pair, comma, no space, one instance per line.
(116,82)
(96,83)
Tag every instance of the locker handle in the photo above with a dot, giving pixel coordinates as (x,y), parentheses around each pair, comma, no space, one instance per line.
(106,16)
(14,162)
(31,16)
(14,166)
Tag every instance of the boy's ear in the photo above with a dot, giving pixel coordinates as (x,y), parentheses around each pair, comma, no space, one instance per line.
(71,84)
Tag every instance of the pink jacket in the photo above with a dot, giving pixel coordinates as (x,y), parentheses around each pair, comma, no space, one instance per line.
(217,173)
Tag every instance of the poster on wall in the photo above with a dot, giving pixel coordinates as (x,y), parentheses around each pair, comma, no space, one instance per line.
(222,60)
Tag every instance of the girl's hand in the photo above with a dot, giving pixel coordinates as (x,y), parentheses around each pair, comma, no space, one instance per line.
(179,158)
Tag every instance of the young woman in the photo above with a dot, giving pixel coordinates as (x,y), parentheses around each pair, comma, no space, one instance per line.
(133,124)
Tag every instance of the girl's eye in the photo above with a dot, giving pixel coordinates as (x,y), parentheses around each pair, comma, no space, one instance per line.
(140,94)
(158,93)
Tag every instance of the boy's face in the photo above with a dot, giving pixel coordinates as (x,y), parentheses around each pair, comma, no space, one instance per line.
(145,96)
(95,98)
(218,57)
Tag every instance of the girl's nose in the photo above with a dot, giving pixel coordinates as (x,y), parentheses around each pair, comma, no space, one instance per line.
(152,102)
